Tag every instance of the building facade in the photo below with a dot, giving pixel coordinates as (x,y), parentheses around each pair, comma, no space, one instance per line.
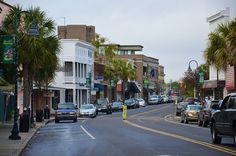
(82,32)
(76,71)
(216,82)
(146,69)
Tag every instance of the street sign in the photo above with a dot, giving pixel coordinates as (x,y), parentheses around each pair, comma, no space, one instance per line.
(8,49)
(201,77)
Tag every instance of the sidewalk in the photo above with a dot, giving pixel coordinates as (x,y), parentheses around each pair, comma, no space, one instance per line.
(14,147)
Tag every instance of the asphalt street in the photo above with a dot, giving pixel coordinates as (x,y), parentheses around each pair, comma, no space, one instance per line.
(146,132)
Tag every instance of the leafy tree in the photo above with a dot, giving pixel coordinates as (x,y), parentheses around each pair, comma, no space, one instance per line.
(104,52)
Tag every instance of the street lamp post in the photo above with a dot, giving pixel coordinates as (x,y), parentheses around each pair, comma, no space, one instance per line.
(190,70)
(33,31)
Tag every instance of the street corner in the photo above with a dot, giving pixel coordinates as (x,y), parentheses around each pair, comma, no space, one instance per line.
(172,118)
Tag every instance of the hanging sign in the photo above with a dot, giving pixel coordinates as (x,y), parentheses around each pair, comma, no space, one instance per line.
(8,49)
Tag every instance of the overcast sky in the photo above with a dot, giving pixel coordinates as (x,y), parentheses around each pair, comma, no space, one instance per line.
(174,31)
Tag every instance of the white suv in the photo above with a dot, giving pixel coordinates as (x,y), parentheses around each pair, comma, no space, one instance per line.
(154,99)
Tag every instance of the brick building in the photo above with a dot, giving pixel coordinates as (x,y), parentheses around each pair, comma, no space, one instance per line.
(82,32)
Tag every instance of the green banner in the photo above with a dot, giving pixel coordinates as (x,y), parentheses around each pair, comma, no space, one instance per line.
(201,77)
(8,49)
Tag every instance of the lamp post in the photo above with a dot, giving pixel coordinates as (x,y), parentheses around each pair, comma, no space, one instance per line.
(33,31)
(190,70)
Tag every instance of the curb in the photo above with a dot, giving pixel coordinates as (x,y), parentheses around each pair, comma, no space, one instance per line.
(29,137)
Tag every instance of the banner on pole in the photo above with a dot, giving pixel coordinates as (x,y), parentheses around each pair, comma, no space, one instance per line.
(8,49)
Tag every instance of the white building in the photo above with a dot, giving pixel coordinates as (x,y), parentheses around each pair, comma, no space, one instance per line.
(76,64)
(216,80)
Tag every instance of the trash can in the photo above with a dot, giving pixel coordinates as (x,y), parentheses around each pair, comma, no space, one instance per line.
(46,113)
(39,115)
(24,122)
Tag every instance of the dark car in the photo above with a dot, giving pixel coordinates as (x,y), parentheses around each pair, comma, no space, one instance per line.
(66,111)
(103,105)
(179,107)
(223,120)
(131,103)
(190,113)
(204,116)
(117,105)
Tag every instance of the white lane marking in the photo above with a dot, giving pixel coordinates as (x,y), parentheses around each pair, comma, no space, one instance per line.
(84,121)
(90,135)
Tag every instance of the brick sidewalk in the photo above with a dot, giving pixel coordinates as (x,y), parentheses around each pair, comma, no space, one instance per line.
(14,147)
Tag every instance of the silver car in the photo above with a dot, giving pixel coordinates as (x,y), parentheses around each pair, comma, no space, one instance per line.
(141,102)
(88,110)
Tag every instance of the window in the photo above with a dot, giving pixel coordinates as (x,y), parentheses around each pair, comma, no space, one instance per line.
(232,103)
(68,69)
(76,69)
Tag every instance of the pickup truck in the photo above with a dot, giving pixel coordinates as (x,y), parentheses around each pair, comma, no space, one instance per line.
(223,120)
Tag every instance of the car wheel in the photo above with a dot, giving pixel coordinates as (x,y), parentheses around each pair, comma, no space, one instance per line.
(75,120)
(199,122)
(214,135)
(56,120)
(185,120)
(205,123)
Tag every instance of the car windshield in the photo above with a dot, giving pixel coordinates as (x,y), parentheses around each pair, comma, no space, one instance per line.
(66,106)
(183,103)
(140,100)
(153,96)
(101,101)
(196,107)
(129,101)
(87,107)
(117,103)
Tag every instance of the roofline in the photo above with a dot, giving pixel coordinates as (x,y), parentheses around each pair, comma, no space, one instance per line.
(6,4)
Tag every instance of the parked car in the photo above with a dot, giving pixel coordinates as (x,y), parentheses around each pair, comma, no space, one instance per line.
(223,120)
(88,110)
(131,103)
(190,113)
(117,105)
(154,99)
(165,98)
(141,102)
(103,105)
(66,111)
(204,116)
(179,108)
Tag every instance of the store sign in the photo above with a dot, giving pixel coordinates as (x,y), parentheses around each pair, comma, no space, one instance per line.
(8,49)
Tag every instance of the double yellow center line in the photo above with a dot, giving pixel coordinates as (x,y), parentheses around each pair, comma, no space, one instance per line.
(212,146)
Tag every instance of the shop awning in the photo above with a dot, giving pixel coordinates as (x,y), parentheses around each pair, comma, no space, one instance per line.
(132,87)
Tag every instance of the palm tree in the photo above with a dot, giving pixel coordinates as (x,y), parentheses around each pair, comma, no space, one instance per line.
(35,53)
(119,69)
(221,50)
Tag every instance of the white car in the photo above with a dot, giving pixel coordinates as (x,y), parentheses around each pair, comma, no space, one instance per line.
(165,98)
(88,110)
(154,99)
(141,102)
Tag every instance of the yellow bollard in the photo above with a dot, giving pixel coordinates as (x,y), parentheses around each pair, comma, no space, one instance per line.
(124,113)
